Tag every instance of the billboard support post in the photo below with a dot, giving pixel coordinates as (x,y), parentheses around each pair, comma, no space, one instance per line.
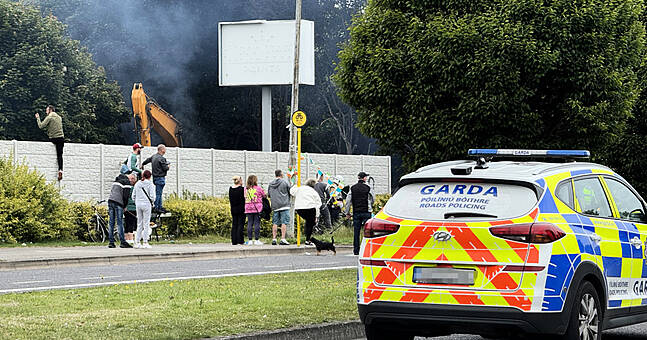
(266,53)
(266,118)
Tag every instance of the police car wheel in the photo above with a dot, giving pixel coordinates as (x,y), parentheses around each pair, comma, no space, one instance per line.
(374,332)
(585,321)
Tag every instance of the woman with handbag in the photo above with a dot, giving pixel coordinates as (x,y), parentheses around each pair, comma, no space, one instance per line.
(253,207)
(142,193)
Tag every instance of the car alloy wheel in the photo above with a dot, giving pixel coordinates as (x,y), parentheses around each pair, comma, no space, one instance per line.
(589,318)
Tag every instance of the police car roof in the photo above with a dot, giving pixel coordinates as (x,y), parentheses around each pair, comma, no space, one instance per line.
(510,170)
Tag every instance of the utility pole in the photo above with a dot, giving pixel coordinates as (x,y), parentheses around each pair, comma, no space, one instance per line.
(295,103)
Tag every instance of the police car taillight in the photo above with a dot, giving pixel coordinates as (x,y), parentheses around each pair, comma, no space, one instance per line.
(540,232)
(374,263)
(376,228)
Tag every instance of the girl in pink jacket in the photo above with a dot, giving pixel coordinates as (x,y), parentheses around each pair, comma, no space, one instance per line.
(253,207)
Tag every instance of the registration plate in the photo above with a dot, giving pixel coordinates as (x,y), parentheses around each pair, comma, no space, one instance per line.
(443,275)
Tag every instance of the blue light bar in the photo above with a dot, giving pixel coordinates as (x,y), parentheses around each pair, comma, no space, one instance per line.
(530,153)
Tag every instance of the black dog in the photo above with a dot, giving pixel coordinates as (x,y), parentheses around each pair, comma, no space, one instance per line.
(322,245)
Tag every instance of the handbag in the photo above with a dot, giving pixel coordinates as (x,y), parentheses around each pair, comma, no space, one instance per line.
(265,214)
(149,198)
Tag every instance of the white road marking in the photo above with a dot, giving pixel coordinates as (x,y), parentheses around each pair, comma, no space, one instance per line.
(98,284)
(324,263)
(100,277)
(28,282)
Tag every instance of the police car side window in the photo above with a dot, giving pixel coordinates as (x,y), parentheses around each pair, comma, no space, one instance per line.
(629,206)
(565,193)
(591,197)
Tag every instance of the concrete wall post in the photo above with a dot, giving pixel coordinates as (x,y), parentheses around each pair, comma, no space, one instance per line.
(101,172)
(177,170)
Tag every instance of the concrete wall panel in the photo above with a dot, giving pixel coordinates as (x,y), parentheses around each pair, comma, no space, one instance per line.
(90,169)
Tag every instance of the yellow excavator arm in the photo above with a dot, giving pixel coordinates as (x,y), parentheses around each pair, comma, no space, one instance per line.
(148,114)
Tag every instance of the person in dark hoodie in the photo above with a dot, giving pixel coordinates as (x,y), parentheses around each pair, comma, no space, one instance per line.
(279,193)
(119,195)
(237,205)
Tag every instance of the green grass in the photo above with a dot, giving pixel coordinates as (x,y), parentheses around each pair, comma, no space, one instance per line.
(343,235)
(181,309)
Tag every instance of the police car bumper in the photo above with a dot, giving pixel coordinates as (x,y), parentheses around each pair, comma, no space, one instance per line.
(431,320)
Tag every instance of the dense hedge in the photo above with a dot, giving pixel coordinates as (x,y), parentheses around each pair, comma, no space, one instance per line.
(31,209)
(196,216)
(81,212)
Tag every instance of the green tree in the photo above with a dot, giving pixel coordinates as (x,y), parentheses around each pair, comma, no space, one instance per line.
(39,65)
(431,79)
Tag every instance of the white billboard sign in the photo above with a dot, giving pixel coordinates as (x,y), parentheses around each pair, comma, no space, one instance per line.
(261,52)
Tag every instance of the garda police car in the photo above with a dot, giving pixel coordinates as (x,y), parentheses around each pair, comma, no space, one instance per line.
(505,248)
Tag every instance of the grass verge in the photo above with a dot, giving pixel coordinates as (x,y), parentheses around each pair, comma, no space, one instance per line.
(181,309)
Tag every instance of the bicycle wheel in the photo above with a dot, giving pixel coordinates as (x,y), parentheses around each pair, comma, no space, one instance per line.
(103,225)
(94,230)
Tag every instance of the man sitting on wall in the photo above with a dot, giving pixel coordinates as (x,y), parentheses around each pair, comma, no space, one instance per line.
(53,124)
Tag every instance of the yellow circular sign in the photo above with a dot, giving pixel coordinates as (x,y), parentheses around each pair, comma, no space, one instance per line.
(299,118)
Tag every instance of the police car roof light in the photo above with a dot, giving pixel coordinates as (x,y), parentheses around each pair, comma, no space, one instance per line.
(530,153)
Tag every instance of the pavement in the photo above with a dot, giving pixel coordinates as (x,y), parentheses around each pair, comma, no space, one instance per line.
(41,257)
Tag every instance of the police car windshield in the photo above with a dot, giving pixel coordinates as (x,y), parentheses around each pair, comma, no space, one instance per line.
(461,201)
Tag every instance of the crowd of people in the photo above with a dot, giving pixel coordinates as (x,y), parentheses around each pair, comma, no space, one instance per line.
(313,202)
(134,196)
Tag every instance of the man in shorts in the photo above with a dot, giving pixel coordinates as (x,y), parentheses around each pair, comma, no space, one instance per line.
(279,193)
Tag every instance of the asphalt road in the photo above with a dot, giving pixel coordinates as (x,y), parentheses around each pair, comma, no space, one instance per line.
(90,276)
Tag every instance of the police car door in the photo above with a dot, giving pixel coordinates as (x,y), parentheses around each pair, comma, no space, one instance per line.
(633,235)
(600,224)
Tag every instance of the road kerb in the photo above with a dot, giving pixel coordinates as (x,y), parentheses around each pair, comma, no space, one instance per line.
(155,257)
(328,331)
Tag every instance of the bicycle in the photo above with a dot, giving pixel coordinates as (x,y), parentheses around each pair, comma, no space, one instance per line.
(98,227)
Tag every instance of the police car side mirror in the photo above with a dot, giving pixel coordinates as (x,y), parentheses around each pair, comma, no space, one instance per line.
(638,215)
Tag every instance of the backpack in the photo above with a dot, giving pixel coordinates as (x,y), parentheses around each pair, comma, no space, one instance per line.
(124,169)
(265,214)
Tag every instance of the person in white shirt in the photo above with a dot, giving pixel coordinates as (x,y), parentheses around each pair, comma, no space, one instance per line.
(143,195)
(306,204)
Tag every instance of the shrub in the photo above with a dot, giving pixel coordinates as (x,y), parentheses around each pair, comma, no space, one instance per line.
(380,201)
(81,213)
(31,210)
(201,215)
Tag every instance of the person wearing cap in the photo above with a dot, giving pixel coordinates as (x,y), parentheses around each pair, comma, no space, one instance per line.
(131,163)
(361,198)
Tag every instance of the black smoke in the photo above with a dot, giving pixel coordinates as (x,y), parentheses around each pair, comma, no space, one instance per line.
(171,47)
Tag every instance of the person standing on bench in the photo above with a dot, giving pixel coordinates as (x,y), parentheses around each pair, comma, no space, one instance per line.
(160,168)
(53,124)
